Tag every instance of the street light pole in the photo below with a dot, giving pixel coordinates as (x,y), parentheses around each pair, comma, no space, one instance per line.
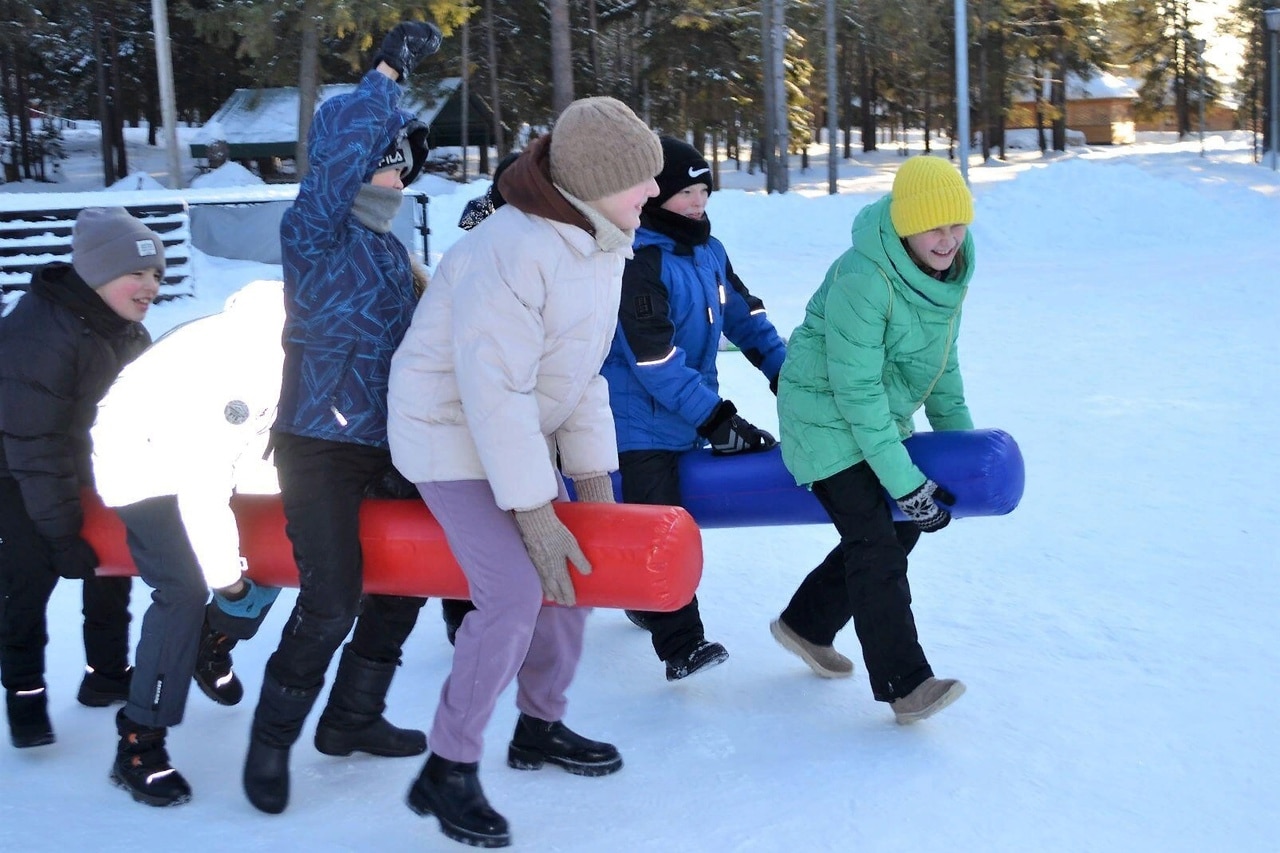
(1273,27)
(961,12)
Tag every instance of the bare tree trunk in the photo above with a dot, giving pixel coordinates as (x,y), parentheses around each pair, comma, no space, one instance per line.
(104,111)
(593,42)
(984,100)
(782,127)
(117,113)
(466,95)
(495,99)
(308,82)
(766,86)
(1058,96)
(833,100)
(867,93)
(561,56)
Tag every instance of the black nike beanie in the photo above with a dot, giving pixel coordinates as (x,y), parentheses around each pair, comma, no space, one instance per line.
(682,166)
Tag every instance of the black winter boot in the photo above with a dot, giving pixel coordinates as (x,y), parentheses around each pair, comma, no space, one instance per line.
(213,674)
(29,717)
(142,765)
(353,721)
(99,690)
(537,741)
(702,655)
(276,723)
(451,791)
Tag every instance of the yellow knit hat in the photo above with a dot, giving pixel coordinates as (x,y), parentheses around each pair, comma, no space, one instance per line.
(928,192)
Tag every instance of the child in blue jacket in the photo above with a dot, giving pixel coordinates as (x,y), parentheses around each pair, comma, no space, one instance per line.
(679,295)
(350,290)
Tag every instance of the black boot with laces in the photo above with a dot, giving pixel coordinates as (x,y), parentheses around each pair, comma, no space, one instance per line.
(142,765)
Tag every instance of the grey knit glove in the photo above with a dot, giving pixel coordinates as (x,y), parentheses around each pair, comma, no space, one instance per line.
(595,490)
(551,546)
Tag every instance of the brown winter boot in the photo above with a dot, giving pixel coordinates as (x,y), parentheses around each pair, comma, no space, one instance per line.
(929,698)
(825,661)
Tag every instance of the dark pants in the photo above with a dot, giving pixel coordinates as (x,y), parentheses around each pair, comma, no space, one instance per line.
(653,477)
(322,484)
(171,628)
(27,579)
(864,578)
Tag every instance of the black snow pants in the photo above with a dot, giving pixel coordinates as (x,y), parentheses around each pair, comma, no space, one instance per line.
(653,477)
(323,484)
(27,580)
(864,578)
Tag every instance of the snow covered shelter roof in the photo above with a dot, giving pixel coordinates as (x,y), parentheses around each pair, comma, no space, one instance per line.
(264,122)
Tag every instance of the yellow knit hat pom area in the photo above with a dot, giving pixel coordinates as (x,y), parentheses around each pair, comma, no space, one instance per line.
(928,193)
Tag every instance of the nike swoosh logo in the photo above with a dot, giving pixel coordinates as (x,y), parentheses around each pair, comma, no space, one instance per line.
(696,173)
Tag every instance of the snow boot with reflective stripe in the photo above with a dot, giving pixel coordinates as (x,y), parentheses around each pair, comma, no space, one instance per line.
(29,717)
(142,765)
(213,673)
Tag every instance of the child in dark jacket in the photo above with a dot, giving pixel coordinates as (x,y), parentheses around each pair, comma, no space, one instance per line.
(878,342)
(679,295)
(349,293)
(60,349)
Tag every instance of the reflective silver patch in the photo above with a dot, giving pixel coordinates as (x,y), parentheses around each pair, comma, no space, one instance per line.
(236,412)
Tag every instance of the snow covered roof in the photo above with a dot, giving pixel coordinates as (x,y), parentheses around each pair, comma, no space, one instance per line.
(264,122)
(1097,86)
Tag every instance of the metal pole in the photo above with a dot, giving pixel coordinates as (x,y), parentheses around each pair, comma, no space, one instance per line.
(168,110)
(962,85)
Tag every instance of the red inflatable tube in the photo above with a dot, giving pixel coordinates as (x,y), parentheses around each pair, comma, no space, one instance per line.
(642,557)
(982,468)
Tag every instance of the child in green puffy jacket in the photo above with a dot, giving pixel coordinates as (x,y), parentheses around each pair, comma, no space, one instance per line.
(878,342)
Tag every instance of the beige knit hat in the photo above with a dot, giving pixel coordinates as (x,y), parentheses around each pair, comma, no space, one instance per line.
(928,193)
(600,147)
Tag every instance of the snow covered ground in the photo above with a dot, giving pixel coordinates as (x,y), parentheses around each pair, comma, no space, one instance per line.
(1113,630)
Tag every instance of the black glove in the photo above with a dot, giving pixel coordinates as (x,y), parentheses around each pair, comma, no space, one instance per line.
(773,385)
(73,557)
(391,484)
(730,434)
(924,506)
(408,43)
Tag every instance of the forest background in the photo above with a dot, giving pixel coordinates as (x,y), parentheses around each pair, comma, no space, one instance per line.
(768,72)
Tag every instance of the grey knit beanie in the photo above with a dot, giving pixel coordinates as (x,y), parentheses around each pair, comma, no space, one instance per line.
(600,147)
(107,242)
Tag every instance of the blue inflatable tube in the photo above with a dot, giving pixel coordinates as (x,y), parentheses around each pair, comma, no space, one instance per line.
(982,468)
